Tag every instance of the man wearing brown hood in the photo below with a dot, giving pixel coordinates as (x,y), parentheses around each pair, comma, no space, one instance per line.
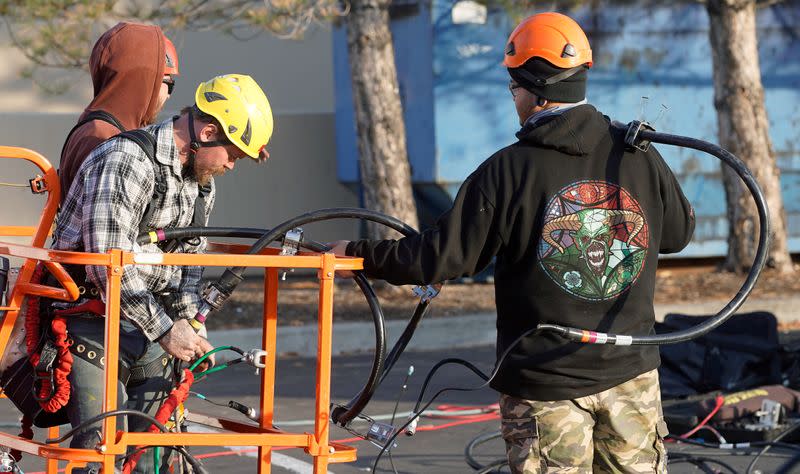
(132,67)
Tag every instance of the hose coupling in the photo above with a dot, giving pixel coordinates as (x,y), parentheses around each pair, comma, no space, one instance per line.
(426,292)
(256,357)
(411,429)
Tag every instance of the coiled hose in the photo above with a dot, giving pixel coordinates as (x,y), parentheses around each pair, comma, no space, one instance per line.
(382,364)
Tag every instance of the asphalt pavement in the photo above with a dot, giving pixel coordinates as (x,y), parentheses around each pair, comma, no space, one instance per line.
(438,446)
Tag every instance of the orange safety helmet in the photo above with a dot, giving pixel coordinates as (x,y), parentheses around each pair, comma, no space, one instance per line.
(171,66)
(554,37)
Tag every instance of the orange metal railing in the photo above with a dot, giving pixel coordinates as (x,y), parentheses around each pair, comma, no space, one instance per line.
(114,443)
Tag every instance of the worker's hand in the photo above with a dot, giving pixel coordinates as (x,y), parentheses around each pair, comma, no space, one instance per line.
(210,361)
(183,343)
(339,248)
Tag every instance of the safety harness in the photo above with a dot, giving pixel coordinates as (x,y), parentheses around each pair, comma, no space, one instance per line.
(41,389)
(147,142)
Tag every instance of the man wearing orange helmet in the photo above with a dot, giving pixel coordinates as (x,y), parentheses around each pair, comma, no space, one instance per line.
(576,221)
(133,69)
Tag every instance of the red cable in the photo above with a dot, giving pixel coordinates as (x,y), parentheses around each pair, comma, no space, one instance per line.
(178,395)
(475,419)
(720,400)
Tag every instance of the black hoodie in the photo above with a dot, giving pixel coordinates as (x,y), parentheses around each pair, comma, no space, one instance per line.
(576,223)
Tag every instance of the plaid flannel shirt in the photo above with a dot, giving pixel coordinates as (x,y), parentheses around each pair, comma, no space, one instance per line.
(103,210)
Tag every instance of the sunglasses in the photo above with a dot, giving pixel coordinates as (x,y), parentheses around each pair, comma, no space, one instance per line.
(512,87)
(170,84)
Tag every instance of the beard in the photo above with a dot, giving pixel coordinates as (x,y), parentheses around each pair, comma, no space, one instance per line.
(205,175)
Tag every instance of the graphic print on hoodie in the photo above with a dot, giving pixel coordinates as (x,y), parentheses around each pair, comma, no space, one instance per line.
(594,240)
(126,85)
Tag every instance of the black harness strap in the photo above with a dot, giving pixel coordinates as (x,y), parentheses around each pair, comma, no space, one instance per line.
(93,115)
(147,142)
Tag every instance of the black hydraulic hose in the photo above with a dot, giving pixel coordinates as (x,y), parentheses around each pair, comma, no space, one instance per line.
(103,416)
(377,373)
(469,456)
(232,276)
(341,414)
(180,233)
(248,232)
(640,135)
(404,339)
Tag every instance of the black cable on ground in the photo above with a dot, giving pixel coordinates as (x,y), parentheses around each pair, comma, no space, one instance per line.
(788,467)
(702,463)
(494,465)
(417,411)
(767,447)
(735,446)
(394,410)
(477,441)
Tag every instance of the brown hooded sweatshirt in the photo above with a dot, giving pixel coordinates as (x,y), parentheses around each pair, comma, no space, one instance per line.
(127,67)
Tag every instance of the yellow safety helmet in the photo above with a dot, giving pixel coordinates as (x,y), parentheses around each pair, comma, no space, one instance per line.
(241,107)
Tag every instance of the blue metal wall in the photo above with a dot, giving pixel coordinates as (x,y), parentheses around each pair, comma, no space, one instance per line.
(659,52)
(413,37)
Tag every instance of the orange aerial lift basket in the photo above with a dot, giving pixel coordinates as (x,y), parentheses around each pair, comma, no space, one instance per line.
(263,435)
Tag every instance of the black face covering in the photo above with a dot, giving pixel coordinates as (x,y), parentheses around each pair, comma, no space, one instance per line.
(550,82)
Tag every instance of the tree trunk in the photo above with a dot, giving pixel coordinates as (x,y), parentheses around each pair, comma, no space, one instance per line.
(385,172)
(744,131)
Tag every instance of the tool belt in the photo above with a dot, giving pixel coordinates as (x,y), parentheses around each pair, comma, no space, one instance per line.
(37,384)
(130,377)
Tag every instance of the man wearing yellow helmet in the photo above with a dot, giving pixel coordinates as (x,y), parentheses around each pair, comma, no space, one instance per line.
(576,221)
(158,177)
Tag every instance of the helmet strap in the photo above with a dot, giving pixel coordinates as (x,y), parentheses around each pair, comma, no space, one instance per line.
(195,145)
(541,82)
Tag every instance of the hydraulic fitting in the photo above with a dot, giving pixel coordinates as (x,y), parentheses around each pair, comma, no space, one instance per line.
(291,245)
(425,292)
(245,410)
(7,463)
(292,241)
(256,357)
(411,429)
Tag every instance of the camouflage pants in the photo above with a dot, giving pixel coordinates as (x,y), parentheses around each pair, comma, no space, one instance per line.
(620,430)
